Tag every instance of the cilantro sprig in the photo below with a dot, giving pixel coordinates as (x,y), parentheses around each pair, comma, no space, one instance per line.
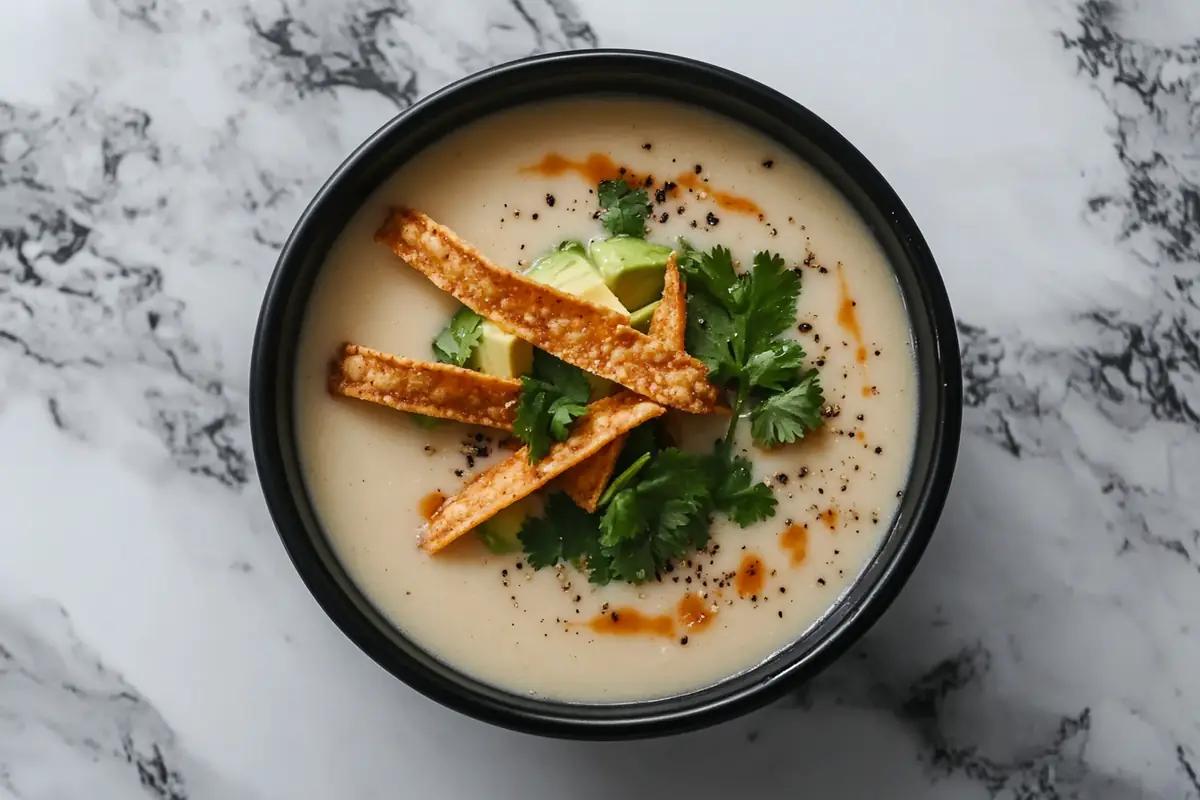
(658,510)
(458,340)
(551,399)
(736,326)
(623,209)
(455,344)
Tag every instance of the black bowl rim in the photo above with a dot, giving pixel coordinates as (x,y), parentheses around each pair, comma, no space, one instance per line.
(445,684)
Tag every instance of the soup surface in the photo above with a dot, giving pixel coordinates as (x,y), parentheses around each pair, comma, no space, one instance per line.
(515,185)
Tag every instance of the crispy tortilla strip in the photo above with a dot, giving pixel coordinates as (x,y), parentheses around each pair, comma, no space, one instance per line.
(585,483)
(422,387)
(513,478)
(592,338)
(669,322)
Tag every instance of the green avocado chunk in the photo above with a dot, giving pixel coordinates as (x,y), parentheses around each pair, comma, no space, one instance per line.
(499,533)
(568,269)
(632,268)
(501,354)
(640,319)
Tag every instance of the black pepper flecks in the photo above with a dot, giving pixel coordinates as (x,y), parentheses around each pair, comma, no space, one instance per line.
(535,216)
(699,169)
(647,146)
(664,217)
(660,196)
(550,200)
(712,219)
(680,210)
(769,163)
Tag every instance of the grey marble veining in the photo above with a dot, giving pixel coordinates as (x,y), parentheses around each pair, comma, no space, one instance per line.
(153,638)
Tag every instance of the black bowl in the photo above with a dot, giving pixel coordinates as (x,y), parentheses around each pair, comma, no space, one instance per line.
(554,76)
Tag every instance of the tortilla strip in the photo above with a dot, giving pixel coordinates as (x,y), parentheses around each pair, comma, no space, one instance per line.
(514,478)
(422,387)
(592,338)
(669,323)
(586,483)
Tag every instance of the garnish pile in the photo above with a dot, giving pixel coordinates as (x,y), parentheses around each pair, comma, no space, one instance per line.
(656,502)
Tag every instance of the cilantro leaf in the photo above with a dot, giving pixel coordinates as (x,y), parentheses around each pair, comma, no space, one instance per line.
(788,416)
(624,519)
(562,413)
(554,397)
(742,500)
(542,542)
(532,421)
(709,337)
(736,327)
(458,340)
(775,366)
(714,273)
(569,380)
(633,562)
(424,422)
(598,564)
(660,518)
(623,208)
(564,532)
(771,292)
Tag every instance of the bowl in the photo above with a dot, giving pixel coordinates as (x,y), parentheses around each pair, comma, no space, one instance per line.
(939,381)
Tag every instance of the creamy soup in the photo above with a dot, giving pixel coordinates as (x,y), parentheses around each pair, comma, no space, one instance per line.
(514,185)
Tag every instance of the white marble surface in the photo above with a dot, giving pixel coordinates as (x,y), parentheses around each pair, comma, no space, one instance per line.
(154,640)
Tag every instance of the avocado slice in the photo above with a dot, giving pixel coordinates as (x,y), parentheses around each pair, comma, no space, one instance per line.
(568,269)
(640,319)
(501,354)
(499,533)
(632,268)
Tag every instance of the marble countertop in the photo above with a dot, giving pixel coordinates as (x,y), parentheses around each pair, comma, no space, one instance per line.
(156,642)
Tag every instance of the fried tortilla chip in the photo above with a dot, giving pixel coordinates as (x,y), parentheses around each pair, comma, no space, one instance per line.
(669,322)
(589,336)
(422,387)
(514,478)
(585,483)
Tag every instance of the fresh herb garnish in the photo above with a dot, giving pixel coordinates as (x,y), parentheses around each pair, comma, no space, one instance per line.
(736,326)
(623,209)
(458,340)
(656,512)
(787,416)
(565,532)
(551,399)
(743,500)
